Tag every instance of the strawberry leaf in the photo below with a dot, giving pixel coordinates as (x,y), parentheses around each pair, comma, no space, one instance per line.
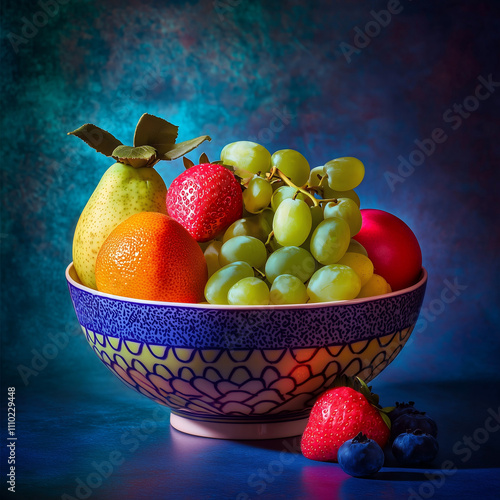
(365,390)
(344,381)
(222,164)
(137,157)
(203,158)
(359,385)
(385,418)
(187,162)
(97,138)
(151,130)
(387,409)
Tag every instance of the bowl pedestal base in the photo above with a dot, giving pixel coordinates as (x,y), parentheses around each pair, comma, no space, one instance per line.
(244,430)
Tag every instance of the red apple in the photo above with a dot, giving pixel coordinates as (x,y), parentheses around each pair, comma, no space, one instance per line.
(391,246)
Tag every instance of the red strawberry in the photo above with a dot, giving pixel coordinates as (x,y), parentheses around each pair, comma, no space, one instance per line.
(339,415)
(205,199)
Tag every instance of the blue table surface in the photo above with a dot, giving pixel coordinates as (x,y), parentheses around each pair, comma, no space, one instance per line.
(92,437)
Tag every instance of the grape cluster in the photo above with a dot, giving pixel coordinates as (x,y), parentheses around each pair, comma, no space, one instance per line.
(294,243)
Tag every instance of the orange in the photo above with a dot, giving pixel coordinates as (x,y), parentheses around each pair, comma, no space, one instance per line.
(151,256)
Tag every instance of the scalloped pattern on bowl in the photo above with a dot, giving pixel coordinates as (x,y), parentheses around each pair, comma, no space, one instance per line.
(241,384)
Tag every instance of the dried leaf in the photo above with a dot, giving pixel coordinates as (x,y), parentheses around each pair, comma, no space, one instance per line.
(151,130)
(179,149)
(155,135)
(137,157)
(97,138)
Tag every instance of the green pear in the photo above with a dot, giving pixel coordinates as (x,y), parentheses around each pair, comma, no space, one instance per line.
(122,191)
(130,186)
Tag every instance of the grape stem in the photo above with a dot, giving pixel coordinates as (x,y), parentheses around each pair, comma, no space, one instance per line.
(322,179)
(269,238)
(259,272)
(319,191)
(328,200)
(277,172)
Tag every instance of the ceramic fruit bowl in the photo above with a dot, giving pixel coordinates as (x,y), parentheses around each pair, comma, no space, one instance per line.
(243,372)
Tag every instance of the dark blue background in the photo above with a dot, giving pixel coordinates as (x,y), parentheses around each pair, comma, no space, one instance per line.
(277,73)
(274,72)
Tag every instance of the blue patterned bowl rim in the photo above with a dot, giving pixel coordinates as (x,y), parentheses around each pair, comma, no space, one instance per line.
(242,327)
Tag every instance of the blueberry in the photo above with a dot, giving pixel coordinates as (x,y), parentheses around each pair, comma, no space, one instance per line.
(360,456)
(415,447)
(411,420)
(401,408)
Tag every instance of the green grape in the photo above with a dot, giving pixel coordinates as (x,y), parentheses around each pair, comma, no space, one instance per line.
(344,173)
(290,260)
(292,164)
(285,193)
(317,217)
(333,282)
(266,219)
(288,289)
(330,240)
(247,226)
(315,176)
(346,209)
(248,156)
(221,281)
(248,291)
(357,247)
(329,193)
(360,264)
(376,285)
(274,245)
(257,195)
(212,256)
(292,222)
(243,248)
